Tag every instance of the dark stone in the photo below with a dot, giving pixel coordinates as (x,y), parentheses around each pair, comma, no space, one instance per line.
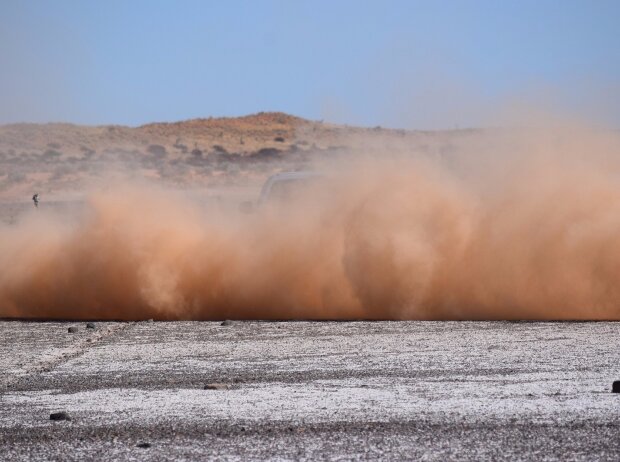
(143,445)
(90,325)
(226,323)
(72,330)
(615,387)
(59,416)
(216,386)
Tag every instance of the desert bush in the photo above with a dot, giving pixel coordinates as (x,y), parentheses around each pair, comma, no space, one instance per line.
(157,150)
(279,139)
(267,154)
(219,149)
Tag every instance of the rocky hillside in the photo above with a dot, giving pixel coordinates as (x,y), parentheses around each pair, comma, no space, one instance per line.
(50,158)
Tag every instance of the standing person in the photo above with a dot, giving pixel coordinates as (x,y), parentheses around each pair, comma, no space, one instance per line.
(35,199)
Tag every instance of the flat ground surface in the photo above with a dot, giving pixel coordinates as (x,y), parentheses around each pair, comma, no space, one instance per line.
(300,390)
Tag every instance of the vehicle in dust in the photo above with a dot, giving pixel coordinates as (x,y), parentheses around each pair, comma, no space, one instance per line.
(282,186)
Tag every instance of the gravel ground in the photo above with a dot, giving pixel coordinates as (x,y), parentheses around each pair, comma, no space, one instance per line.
(310,390)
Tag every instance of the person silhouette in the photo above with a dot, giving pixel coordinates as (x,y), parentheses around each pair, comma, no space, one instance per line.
(35,199)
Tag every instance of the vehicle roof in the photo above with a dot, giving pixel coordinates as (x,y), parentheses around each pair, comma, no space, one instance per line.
(293,175)
(285,176)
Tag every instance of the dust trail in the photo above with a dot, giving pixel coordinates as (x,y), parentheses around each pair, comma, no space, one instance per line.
(520,225)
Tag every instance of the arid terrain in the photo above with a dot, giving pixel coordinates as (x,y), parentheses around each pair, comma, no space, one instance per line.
(59,160)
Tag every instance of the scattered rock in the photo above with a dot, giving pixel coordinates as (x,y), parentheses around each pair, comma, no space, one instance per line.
(143,445)
(90,325)
(150,320)
(72,330)
(59,416)
(228,322)
(615,387)
(216,386)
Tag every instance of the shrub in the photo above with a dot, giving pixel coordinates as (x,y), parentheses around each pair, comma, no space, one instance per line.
(157,150)
(267,154)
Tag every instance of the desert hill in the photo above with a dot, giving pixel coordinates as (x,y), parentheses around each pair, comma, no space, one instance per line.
(61,157)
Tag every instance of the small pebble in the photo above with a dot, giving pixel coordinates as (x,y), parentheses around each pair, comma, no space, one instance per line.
(216,386)
(144,445)
(59,416)
(72,330)
(226,323)
(90,325)
(615,387)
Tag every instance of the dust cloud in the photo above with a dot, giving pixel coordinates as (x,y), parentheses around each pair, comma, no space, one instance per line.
(513,224)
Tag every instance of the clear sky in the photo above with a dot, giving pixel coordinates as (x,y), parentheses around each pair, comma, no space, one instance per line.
(412,64)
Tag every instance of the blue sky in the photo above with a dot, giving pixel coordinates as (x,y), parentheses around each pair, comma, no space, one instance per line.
(411,64)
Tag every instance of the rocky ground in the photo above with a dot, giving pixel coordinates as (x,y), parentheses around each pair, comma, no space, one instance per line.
(309,390)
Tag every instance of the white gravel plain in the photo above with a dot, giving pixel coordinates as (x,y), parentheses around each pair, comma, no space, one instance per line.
(310,390)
